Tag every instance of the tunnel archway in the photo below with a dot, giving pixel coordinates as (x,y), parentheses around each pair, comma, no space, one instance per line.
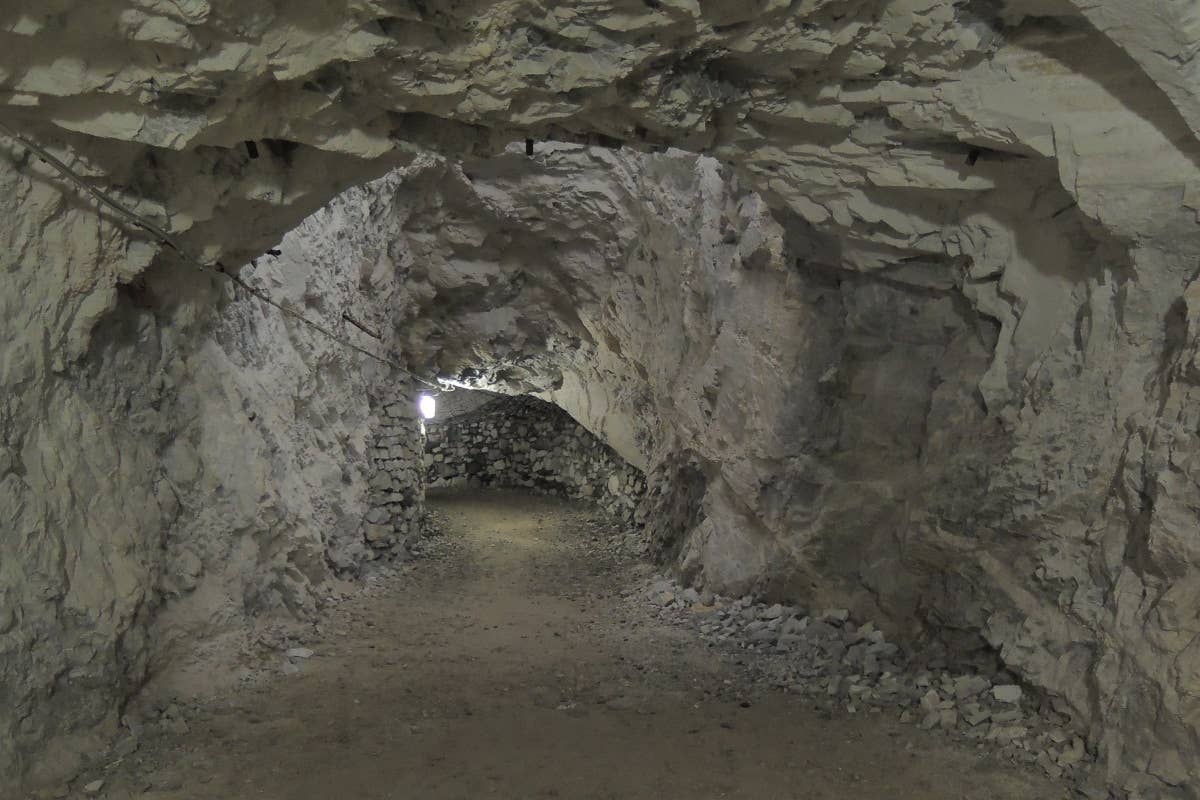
(527,443)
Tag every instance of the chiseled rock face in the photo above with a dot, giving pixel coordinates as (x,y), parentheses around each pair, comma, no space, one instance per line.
(925,340)
(809,431)
(201,463)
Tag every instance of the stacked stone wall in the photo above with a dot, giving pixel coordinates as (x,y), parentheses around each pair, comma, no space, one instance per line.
(529,443)
(396,504)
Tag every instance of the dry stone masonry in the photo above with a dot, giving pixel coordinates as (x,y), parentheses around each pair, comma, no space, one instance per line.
(396,501)
(529,443)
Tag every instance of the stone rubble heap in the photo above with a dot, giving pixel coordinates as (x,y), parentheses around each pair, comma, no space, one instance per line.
(842,664)
(529,443)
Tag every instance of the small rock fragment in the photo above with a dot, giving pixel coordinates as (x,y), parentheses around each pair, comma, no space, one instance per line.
(774,612)
(968,686)
(836,616)
(1007,693)
(1072,755)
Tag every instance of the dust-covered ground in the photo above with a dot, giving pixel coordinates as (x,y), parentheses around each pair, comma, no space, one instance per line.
(522,661)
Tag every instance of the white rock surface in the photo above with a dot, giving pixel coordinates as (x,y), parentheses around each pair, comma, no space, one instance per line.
(944,361)
(1007,693)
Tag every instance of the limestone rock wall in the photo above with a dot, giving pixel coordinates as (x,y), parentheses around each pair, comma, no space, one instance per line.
(200,464)
(932,353)
(529,443)
(809,432)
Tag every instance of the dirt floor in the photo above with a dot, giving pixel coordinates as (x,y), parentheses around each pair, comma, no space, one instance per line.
(517,665)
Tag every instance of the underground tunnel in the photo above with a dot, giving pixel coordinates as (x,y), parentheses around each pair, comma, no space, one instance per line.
(687,398)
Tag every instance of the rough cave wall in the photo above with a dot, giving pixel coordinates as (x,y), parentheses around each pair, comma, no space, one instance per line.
(181,474)
(289,465)
(529,443)
(798,396)
(831,426)
(1035,160)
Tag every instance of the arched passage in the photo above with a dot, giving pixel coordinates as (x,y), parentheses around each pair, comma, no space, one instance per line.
(985,212)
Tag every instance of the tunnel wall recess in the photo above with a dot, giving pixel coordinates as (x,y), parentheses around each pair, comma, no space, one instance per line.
(524,442)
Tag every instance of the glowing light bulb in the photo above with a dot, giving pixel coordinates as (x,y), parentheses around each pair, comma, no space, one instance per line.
(428,406)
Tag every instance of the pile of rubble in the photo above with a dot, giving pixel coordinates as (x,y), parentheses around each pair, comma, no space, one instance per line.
(840,663)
